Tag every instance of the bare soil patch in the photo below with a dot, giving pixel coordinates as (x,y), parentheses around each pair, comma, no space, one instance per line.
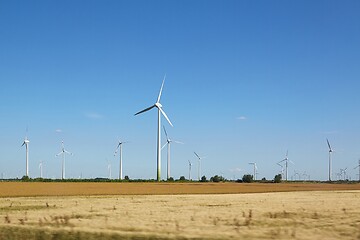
(28,189)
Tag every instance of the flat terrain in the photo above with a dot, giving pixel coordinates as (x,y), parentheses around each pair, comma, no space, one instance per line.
(50,211)
(28,189)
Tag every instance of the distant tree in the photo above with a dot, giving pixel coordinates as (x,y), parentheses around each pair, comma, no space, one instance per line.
(25,178)
(203,179)
(170,179)
(247,178)
(126,178)
(263,179)
(182,178)
(277,178)
(217,178)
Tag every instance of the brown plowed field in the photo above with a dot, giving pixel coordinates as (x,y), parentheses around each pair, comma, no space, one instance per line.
(27,189)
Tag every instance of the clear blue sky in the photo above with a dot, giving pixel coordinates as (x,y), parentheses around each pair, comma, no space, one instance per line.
(246,81)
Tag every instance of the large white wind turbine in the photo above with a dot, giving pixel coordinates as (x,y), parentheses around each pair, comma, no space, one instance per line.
(286,160)
(199,165)
(255,169)
(63,152)
(119,147)
(190,164)
(330,151)
(160,111)
(26,143)
(168,142)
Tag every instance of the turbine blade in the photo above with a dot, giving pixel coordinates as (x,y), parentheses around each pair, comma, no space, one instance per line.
(68,152)
(162,85)
(178,142)
(163,113)
(328,144)
(23,143)
(197,155)
(163,146)
(145,110)
(165,133)
(59,154)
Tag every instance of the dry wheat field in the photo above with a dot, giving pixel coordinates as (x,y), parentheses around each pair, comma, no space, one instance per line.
(298,214)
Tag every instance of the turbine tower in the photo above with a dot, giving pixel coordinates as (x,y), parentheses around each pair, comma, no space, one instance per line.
(63,152)
(255,168)
(199,165)
(109,169)
(168,142)
(286,160)
(41,169)
(358,166)
(160,111)
(26,143)
(119,147)
(190,164)
(330,151)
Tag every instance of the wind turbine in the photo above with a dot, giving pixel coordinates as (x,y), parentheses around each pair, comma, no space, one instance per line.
(199,165)
(358,166)
(330,151)
(286,160)
(109,169)
(160,111)
(26,143)
(190,164)
(63,152)
(119,147)
(168,142)
(41,169)
(255,168)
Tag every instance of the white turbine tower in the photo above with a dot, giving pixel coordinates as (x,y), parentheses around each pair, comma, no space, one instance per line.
(168,142)
(190,164)
(41,169)
(119,147)
(330,151)
(26,143)
(199,165)
(63,152)
(255,169)
(358,166)
(286,160)
(109,169)
(160,111)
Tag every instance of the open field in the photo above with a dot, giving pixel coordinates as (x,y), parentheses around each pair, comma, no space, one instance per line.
(160,211)
(27,189)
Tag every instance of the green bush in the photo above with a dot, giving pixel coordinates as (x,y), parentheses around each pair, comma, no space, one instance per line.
(247,178)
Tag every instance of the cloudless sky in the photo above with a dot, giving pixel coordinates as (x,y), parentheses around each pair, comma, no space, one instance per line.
(246,81)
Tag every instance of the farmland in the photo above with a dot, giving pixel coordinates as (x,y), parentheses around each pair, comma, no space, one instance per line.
(179,211)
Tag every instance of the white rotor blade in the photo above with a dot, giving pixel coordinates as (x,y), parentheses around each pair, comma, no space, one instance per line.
(68,152)
(166,133)
(59,154)
(163,113)
(145,110)
(164,146)
(197,155)
(178,142)
(162,85)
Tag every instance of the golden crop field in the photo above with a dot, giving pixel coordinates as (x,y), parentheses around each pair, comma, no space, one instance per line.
(152,213)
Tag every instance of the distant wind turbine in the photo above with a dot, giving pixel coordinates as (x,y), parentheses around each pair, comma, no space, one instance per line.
(286,160)
(190,164)
(41,169)
(168,142)
(26,143)
(119,147)
(63,152)
(330,151)
(109,169)
(255,169)
(358,166)
(199,165)
(160,111)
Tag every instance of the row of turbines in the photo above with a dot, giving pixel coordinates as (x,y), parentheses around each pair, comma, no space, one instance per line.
(159,106)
